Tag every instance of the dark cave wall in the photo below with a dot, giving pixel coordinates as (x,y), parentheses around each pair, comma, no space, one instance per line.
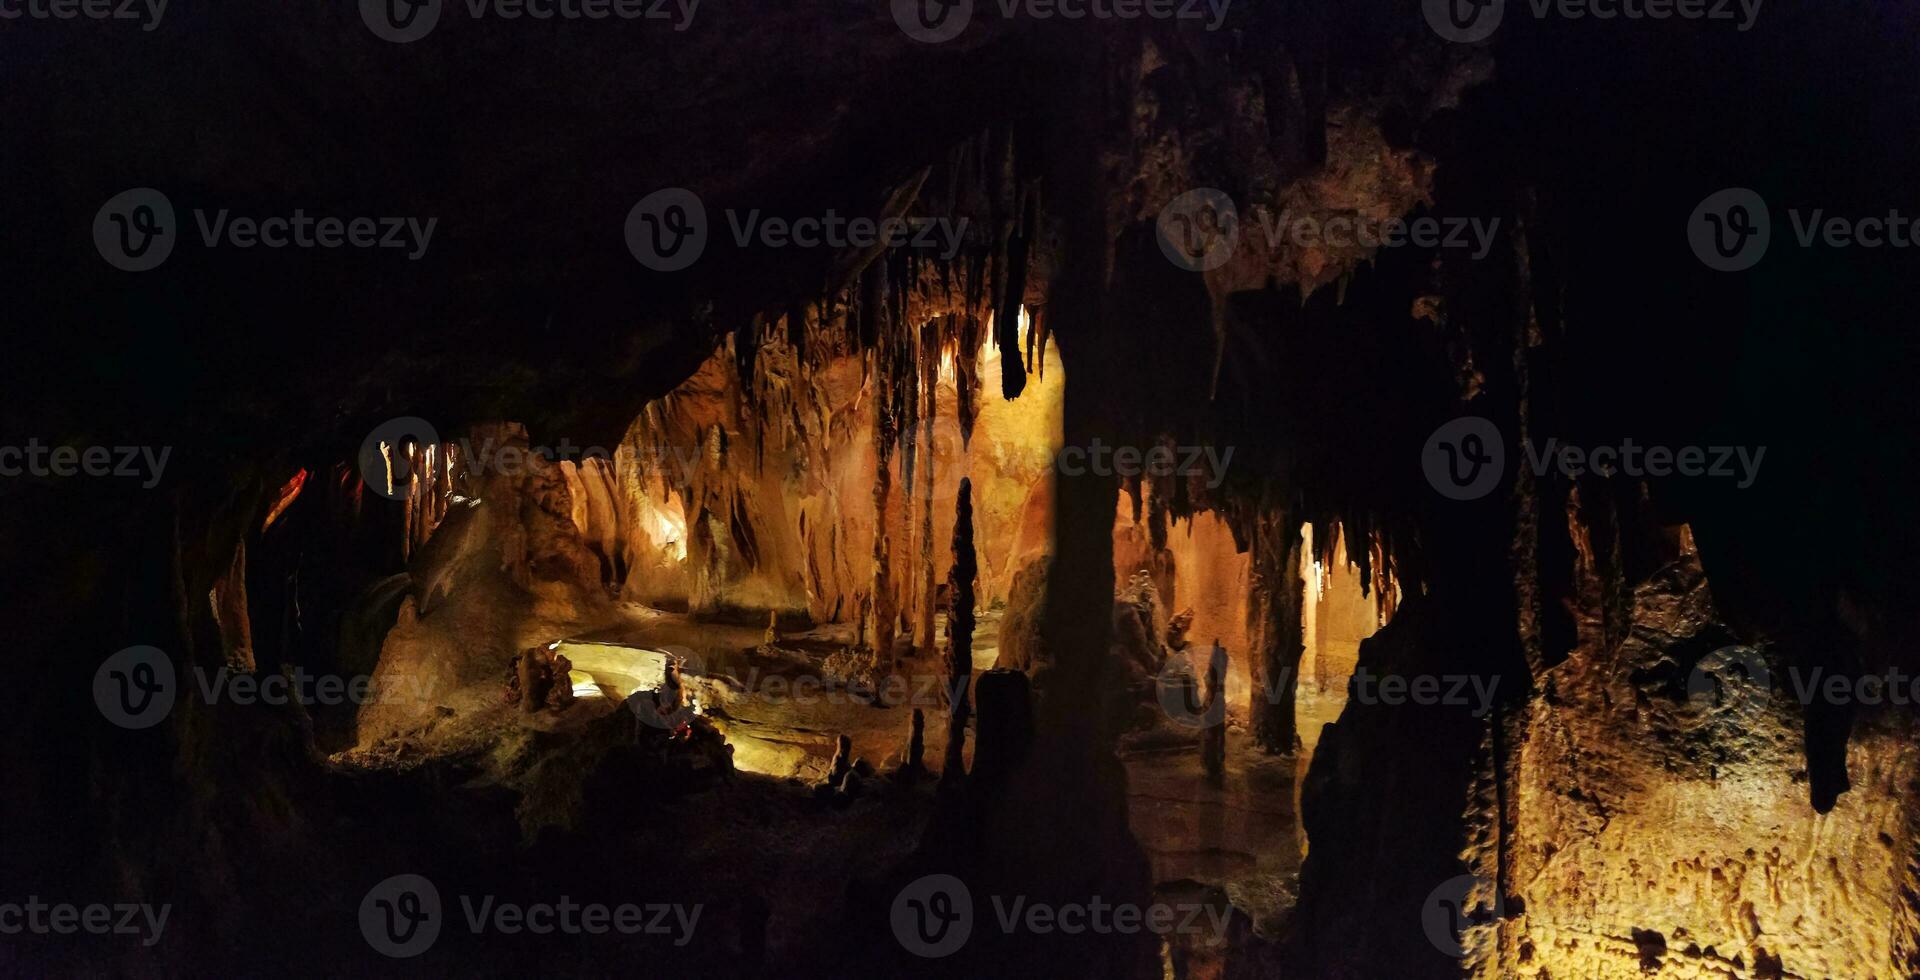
(1589,321)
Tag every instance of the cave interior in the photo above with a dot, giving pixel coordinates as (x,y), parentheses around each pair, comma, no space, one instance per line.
(1033,552)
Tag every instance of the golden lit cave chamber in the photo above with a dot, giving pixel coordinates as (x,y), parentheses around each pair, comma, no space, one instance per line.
(1220,825)
(771,543)
(764,565)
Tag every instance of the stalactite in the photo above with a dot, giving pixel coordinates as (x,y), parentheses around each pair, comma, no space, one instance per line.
(1013,282)
(960,629)
(1157,512)
(883,436)
(966,373)
(930,384)
(910,418)
(1033,334)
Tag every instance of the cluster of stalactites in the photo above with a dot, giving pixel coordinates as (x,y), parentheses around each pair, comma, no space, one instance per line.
(982,192)
(1376,550)
(903,311)
(1366,549)
(423,475)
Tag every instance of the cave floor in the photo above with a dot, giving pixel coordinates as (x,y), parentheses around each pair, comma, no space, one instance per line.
(779,706)
(776,703)
(535,792)
(782,717)
(1242,836)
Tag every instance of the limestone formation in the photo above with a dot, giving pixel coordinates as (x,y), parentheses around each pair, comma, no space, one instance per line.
(960,622)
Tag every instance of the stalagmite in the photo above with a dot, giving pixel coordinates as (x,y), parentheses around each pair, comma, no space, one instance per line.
(917,741)
(1274,626)
(960,630)
(842,760)
(1213,745)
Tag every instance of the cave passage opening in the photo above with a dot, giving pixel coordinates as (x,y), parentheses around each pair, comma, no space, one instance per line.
(773,537)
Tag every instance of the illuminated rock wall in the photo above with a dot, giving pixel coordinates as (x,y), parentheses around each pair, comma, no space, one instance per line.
(1659,834)
(731,498)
